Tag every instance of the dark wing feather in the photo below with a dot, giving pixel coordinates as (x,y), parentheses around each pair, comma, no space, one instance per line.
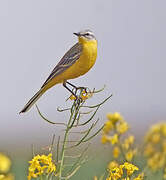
(67,60)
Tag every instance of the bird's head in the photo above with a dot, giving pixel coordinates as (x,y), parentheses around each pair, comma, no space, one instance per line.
(85,35)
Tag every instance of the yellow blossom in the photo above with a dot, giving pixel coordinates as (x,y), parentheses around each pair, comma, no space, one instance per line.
(2,176)
(6,177)
(130,139)
(164,176)
(155,138)
(156,161)
(149,149)
(127,142)
(116,171)
(155,146)
(163,129)
(113,139)
(5,163)
(127,178)
(164,147)
(112,165)
(115,117)
(152,164)
(104,139)
(41,165)
(116,152)
(84,95)
(122,127)
(72,97)
(130,168)
(95,178)
(130,154)
(108,126)
(140,177)
(156,128)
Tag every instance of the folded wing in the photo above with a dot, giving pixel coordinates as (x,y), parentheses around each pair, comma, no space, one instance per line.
(67,60)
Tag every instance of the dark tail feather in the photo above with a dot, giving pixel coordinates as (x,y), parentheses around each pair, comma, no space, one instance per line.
(32,101)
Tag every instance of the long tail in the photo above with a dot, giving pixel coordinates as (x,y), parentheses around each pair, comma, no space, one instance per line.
(32,101)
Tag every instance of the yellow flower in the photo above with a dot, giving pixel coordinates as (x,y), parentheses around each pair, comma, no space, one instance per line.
(2,176)
(156,161)
(152,164)
(122,127)
(130,139)
(127,142)
(116,171)
(164,176)
(72,97)
(155,128)
(130,168)
(115,117)
(113,139)
(6,177)
(164,147)
(155,146)
(149,149)
(108,127)
(140,177)
(130,154)
(95,178)
(104,139)
(163,129)
(116,152)
(5,163)
(41,165)
(155,138)
(84,95)
(112,165)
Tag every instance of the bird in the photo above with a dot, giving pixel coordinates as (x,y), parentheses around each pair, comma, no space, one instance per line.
(77,61)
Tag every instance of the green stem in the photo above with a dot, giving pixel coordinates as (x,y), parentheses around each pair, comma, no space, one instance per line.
(64,144)
(63,153)
(121,149)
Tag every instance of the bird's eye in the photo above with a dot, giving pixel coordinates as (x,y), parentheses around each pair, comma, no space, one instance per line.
(87,34)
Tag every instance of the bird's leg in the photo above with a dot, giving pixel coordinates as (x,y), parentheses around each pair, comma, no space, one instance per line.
(78,99)
(64,84)
(71,85)
(82,88)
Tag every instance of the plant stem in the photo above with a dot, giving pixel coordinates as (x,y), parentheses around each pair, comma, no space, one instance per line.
(63,153)
(65,141)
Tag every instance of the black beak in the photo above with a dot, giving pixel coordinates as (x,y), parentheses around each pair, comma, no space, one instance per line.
(77,34)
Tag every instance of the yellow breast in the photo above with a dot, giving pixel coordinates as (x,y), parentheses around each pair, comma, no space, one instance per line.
(85,62)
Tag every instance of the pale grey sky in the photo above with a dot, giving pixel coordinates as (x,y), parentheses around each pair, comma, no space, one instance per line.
(131,61)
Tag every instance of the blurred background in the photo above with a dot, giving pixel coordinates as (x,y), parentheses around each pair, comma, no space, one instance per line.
(34,35)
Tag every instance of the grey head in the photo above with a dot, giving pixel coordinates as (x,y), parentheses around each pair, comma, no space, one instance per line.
(87,34)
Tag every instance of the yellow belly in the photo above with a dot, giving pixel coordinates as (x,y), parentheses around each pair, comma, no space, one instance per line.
(83,65)
(80,67)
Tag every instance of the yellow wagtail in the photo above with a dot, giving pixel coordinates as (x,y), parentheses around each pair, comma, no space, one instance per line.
(76,62)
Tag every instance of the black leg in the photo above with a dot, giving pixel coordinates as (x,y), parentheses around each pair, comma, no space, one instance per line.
(71,85)
(84,88)
(64,84)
